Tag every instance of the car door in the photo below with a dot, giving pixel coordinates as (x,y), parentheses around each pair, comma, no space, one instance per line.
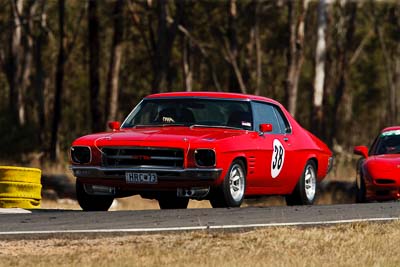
(274,155)
(289,163)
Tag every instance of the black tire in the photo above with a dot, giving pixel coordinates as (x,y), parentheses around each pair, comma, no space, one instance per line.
(229,194)
(361,193)
(171,201)
(360,189)
(92,202)
(303,194)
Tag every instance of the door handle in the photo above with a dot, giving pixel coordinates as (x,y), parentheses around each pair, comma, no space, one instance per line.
(285,139)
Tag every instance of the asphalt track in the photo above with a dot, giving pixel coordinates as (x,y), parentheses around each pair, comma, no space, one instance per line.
(40,222)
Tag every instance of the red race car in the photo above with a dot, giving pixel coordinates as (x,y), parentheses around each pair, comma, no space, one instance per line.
(200,145)
(378,171)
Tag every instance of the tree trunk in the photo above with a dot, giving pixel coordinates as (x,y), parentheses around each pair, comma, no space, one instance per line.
(320,57)
(112,90)
(396,94)
(161,64)
(236,83)
(347,24)
(13,65)
(54,150)
(166,37)
(257,40)
(295,55)
(94,66)
(19,61)
(186,66)
(391,61)
(203,52)
(24,67)
(40,40)
(232,46)
(186,52)
(24,79)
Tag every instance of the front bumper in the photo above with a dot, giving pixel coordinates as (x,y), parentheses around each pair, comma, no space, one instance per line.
(383,191)
(163,174)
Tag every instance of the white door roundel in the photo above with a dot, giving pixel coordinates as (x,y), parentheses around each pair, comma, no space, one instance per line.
(278,158)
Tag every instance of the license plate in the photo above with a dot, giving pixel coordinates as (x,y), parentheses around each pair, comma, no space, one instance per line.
(140,178)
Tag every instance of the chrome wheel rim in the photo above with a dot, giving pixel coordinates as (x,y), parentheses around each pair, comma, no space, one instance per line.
(310,182)
(236,182)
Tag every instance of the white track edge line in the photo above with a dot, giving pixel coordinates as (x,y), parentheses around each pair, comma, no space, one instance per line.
(205,227)
(13,211)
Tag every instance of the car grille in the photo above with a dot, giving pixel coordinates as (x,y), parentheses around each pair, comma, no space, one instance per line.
(149,157)
(385,181)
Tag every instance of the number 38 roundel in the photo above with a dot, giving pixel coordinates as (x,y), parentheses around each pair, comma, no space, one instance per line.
(278,158)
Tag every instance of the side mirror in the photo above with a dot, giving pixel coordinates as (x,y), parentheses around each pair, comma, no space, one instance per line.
(265,127)
(361,150)
(114,125)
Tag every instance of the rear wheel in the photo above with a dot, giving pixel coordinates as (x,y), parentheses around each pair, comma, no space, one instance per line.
(305,190)
(231,191)
(171,201)
(92,202)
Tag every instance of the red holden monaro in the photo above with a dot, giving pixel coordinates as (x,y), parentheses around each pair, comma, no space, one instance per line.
(378,171)
(222,147)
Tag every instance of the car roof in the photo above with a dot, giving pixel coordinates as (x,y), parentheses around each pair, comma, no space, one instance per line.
(219,95)
(391,128)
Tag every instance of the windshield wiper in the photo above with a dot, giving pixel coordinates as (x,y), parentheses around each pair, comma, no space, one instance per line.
(214,126)
(174,124)
(159,125)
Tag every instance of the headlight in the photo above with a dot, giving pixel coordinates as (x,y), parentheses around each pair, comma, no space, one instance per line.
(81,154)
(205,157)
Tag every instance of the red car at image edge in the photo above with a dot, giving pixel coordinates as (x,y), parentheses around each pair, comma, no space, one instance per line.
(223,147)
(378,171)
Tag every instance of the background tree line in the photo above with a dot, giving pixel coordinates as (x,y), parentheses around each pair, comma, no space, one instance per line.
(68,67)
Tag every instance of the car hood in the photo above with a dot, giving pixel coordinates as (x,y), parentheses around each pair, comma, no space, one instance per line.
(169,135)
(383,165)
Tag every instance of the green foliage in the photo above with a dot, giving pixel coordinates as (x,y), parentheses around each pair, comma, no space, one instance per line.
(362,112)
(16,141)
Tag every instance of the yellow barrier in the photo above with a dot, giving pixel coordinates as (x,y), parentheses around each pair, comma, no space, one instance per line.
(20,187)
(19,203)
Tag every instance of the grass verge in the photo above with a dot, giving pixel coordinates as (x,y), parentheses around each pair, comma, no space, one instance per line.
(362,244)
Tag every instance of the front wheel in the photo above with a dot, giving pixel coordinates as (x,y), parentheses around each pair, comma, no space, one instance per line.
(92,202)
(360,189)
(231,191)
(305,190)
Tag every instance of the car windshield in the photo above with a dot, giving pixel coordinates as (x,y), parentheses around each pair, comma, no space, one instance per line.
(193,112)
(388,143)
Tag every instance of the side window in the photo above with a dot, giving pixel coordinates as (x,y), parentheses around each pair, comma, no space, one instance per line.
(283,123)
(265,113)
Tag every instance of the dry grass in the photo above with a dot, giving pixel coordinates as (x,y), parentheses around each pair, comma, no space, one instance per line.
(343,245)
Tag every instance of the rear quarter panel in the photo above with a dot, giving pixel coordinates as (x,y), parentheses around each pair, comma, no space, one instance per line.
(308,147)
